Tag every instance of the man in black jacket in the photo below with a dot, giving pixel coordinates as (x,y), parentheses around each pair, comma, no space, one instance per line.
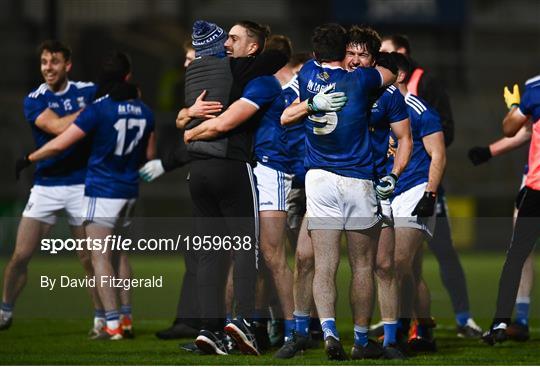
(212,82)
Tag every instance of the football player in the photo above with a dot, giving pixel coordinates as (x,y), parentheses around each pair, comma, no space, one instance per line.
(339,182)
(58,182)
(422,83)
(521,111)
(123,138)
(413,202)
(388,113)
(519,328)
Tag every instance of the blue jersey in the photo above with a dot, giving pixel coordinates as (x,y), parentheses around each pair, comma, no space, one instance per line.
(120,131)
(339,142)
(424,121)
(270,138)
(530,101)
(69,167)
(296,137)
(389,108)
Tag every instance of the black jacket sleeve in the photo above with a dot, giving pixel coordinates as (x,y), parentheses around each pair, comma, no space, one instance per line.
(267,63)
(432,90)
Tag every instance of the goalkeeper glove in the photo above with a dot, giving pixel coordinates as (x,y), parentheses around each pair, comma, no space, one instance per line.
(151,170)
(479,155)
(426,206)
(386,186)
(512,98)
(21,164)
(324,101)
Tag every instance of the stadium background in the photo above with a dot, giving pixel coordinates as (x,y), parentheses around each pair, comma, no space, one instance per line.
(476,47)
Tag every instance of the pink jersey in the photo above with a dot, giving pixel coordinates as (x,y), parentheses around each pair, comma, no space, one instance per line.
(530,106)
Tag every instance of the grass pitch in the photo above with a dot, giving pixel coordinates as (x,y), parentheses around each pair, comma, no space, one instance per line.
(50,326)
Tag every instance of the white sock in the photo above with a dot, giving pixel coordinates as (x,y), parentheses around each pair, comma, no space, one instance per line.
(113,324)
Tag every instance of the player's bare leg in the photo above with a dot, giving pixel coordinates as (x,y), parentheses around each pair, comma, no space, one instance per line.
(272,236)
(102,261)
(326,252)
(362,247)
(304,271)
(29,233)
(326,244)
(125,272)
(408,242)
(303,293)
(387,286)
(85,258)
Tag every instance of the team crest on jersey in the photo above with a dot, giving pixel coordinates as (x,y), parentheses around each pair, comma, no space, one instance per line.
(80,102)
(324,76)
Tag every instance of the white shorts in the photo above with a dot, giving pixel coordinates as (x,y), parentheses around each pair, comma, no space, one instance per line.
(273,187)
(107,212)
(338,202)
(45,202)
(386,212)
(403,206)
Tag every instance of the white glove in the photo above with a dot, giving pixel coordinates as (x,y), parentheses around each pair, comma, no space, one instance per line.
(151,170)
(324,101)
(386,186)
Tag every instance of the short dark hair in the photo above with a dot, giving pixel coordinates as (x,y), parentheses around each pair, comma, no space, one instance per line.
(399,41)
(115,66)
(281,43)
(403,64)
(299,58)
(329,41)
(54,46)
(257,31)
(364,36)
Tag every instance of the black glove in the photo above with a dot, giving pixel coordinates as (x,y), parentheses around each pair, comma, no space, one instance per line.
(479,155)
(21,164)
(386,60)
(426,206)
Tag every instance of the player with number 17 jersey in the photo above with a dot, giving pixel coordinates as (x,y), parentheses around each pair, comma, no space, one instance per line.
(121,130)
(339,142)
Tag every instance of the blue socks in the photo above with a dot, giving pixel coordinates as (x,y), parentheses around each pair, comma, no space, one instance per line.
(462,318)
(329,327)
(301,321)
(390,330)
(522,310)
(290,326)
(360,335)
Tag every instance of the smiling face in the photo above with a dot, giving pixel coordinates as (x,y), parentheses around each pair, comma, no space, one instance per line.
(239,43)
(357,56)
(54,69)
